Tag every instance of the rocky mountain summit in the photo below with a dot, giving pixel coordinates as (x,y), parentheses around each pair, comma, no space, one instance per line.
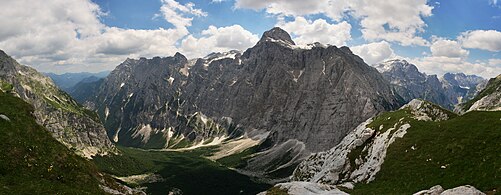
(447,91)
(304,98)
(69,123)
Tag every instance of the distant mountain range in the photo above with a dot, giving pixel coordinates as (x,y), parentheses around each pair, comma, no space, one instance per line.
(447,91)
(67,81)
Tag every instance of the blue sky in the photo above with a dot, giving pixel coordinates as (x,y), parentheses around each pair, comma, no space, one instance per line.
(94,35)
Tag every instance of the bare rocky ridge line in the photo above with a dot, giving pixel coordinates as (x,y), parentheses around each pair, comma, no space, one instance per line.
(68,122)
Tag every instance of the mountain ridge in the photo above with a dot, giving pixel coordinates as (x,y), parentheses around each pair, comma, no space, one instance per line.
(448,91)
(68,122)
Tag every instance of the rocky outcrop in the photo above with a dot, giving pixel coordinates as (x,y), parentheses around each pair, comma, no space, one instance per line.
(304,188)
(447,91)
(460,190)
(359,156)
(489,99)
(68,122)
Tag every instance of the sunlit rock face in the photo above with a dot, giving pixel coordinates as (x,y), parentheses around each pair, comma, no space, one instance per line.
(69,123)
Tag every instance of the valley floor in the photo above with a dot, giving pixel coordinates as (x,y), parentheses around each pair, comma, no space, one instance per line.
(161,172)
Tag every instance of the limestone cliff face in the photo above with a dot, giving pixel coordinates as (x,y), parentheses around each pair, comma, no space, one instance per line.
(313,94)
(68,122)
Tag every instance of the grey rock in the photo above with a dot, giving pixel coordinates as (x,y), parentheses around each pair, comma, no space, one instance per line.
(460,190)
(4,117)
(435,190)
(276,34)
(68,122)
(463,190)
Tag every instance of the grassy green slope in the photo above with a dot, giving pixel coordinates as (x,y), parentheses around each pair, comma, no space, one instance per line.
(468,146)
(32,162)
(187,171)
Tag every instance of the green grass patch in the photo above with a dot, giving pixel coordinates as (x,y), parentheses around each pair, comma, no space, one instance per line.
(33,162)
(389,119)
(6,87)
(467,146)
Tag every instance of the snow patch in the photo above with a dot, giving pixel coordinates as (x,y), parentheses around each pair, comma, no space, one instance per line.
(296,74)
(106,112)
(171,80)
(233,82)
(186,68)
(219,56)
(465,87)
(115,137)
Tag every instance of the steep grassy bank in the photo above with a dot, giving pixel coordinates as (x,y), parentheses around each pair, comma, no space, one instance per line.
(464,150)
(33,162)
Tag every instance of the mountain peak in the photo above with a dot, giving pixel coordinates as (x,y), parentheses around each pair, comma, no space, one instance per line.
(2,53)
(277,34)
(395,64)
(180,56)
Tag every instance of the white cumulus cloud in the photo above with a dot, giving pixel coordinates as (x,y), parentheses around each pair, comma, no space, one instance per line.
(447,48)
(306,31)
(489,40)
(373,53)
(68,36)
(392,20)
(220,39)
(441,65)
